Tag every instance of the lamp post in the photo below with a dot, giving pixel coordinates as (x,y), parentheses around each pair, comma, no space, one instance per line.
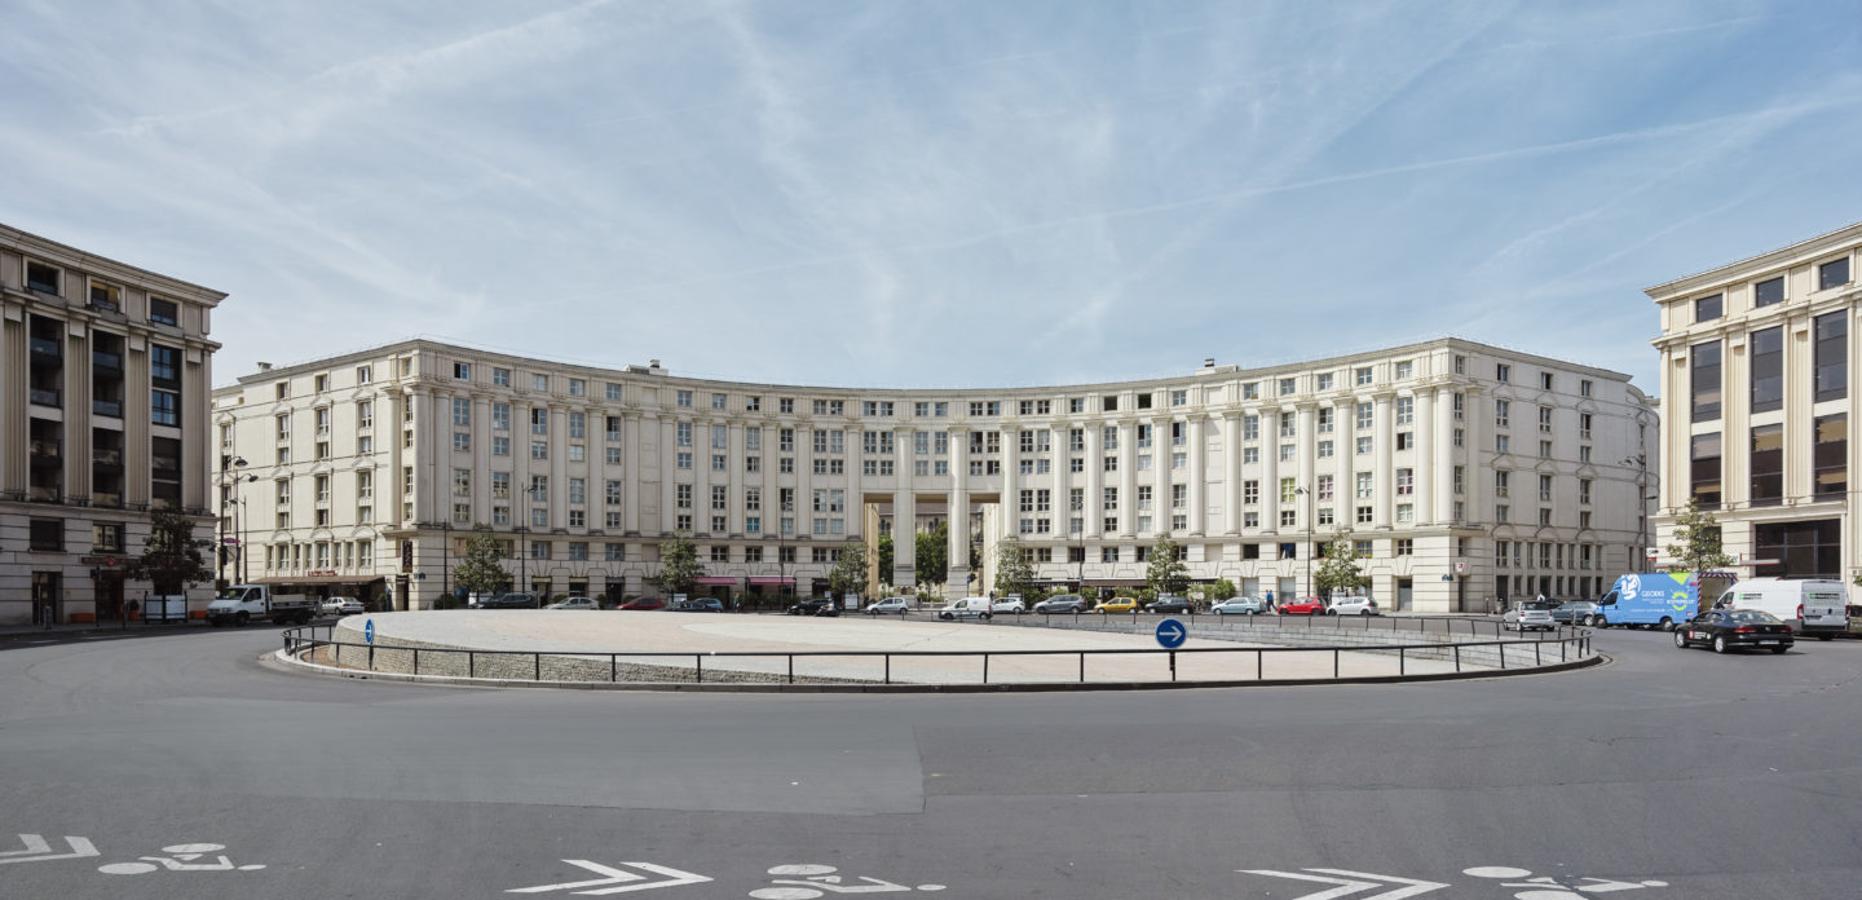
(1307,514)
(242,570)
(228,462)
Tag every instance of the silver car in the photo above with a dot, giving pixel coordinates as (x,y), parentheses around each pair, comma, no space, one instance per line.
(1240,606)
(342,606)
(1533,616)
(1575,612)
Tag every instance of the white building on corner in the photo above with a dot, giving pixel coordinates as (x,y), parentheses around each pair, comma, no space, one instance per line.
(1463,472)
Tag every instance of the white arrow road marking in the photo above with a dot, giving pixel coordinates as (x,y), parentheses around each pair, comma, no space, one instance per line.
(1348,885)
(38,849)
(615,881)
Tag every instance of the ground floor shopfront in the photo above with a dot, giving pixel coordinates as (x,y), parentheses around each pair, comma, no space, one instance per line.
(68,566)
(1805,540)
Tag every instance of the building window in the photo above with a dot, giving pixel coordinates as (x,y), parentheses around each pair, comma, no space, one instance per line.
(47,535)
(1767,465)
(1832,356)
(1831,456)
(41,277)
(501,377)
(1768,292)
(164,312)
(1833,274)
(1502,373)
(1768,369)
(1803,549)
(1705,381)
(1705,470)
(1361,375)
(462,371)
(1706,309)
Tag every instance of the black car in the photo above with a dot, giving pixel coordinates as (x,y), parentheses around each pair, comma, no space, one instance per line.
(1732,629)
(698,604)
(1166,605)
(510,601)
(814,606)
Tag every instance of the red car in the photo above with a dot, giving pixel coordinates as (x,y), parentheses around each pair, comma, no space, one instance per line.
(644,603)
(1304,606)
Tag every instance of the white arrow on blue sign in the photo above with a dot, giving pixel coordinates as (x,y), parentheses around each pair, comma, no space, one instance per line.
(368,631)
(1171,634)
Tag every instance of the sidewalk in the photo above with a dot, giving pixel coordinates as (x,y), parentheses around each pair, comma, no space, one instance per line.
(31,632)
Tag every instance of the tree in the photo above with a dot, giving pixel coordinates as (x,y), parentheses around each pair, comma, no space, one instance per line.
(172,559)
(1339,570)
(1223,589)
(679,568)
(1167,573)
(481,570)
(885,558)
(931,556)
(849,572)
(1014,574)
(1696,546)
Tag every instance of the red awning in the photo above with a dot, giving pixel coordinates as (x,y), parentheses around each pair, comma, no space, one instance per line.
(769,579)
(713,580)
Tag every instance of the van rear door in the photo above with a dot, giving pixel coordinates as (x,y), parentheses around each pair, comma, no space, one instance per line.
(1824,607)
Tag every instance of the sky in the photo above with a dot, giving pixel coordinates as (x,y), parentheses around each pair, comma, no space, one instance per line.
(933,193)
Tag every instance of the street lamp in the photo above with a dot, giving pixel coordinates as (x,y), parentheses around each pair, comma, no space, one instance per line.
(241,569)
(228,462)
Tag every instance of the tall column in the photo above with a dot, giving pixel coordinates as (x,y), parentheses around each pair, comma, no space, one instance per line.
(856,484)
(904,512)
(804,482)
(1231,464)
(669,510)
(77,442)
(1058,452)
(1011,479)
(1199,446)
(1384,460)
(1344,490)
(959,512)
(559,466)
(1128,478)
(772,492)
(701,476)
(390,492)
(1428,470)
(1095,478)
(1442,469)
(1161,449)
(481,458)
(14,362)
(734,455)
(1270,470)
(425,488)
(1306,457)
(631,482)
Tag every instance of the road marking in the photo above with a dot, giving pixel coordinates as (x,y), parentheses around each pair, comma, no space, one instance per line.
(616,881)
(38,849)
(1350,884)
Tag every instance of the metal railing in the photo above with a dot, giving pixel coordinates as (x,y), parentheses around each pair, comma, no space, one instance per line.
(1445,625)
(1507,655)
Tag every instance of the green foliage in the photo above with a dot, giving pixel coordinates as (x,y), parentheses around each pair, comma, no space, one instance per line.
(1167,573)
(886,556)
(1339,570)
(481,570)
(1696,546)
(849,572)
(679,568)
(1223,589)
(931,556)
(1014,574)
(172,559)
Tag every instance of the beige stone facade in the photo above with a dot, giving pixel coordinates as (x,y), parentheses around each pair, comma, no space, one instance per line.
(1465,471)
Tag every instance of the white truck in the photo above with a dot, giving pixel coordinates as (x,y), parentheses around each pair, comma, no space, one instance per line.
(242,603)
(1812,607)
(968,607)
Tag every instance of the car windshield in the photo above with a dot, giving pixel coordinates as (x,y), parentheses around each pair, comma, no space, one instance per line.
(1751,617)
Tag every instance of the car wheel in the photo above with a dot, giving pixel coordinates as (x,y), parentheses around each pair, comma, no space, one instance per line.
(1331,612)
(1364,612)
(1667,624)
(1681,638)
(241,619)
(1820,637)
(1719,644)
(1780,648)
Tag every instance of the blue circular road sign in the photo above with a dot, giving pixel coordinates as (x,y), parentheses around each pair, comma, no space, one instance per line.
(368,631)
(1171,634)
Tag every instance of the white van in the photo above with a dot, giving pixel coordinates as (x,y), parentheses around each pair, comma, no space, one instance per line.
(1810,607)
(966,608)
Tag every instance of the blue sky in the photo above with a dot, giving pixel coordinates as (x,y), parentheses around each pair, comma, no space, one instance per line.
(931,193)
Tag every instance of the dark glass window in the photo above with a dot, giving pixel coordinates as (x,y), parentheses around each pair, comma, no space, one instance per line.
(1768,465)
(1768,292)
(164,312)
(1801,549)
(165,408)
(1834,273)
(41,277)
(1705,471)
(1830,456)
(1832,356)
(1768,369)
(165,366)
(1706,381)
(1708,308)
(107,537)
(48,534)
(165,470)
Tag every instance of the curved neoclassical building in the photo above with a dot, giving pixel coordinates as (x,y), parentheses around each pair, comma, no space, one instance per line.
(1464,473)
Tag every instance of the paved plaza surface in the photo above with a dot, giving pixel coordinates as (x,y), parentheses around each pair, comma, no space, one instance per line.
(180,767)
(581,632)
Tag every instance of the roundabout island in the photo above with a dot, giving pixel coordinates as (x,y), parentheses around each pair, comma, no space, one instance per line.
(671,651)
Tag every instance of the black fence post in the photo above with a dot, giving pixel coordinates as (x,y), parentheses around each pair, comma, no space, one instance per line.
(537,658)
(471,664)
(1457,658)
(1402,667)
(699,664)
(791,668)
(614,668)
(416,660)
(1335,656)
(1082,667)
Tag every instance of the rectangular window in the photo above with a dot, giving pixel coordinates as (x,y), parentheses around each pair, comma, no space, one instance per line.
(1706,309)
(1704,363)
(1768,369)
(1832,356)
(1768,292)
(1362,375)
(1833,274)
(164,312)
(1831,456)
(1705,470)
(1767,465)
(1502,373)
(462,371)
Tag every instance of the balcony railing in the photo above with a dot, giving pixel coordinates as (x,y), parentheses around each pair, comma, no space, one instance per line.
(107,459)
(44,347)
(46,450)
(111,408)
(45,397)
(106,499)
(106,360)
(45,494)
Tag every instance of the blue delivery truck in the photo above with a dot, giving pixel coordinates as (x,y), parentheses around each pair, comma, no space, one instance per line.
(1658,598)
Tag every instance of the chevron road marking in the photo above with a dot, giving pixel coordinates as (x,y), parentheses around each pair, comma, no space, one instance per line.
(38,849)
(1351,884)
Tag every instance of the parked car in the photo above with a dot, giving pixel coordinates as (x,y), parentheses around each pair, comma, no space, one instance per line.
(1735,629)
(815,606)
(1812,607)
(574,603)
(1304,606)
(891,606)
(1575,612)
(1063,603)
(643,603)
(1166,604)
(1117,605)
(966,608)
(698,604)
(1011,604)
(343,606)
(1240,606)
(1532,615)
(513,600)
(1354,605)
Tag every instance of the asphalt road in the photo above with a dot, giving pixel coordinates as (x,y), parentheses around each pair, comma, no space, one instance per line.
(1671,774)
